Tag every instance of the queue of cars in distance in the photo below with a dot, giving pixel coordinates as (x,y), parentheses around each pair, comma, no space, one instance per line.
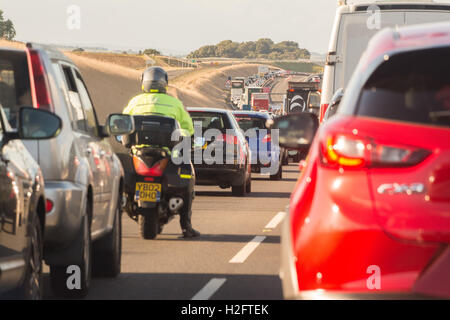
(351,34)
(234,169)
(369,214)
(81,224)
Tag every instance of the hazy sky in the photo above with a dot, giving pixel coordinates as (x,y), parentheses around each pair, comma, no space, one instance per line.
(173,26)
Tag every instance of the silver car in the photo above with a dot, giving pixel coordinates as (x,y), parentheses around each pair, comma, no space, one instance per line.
(83,177)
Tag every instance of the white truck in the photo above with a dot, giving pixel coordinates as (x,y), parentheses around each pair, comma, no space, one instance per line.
(355,24)
(237,89)
(263,70)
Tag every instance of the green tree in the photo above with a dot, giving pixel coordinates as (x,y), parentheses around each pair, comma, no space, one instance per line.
(152,52)
(263,49)
(264,46)
(7,30)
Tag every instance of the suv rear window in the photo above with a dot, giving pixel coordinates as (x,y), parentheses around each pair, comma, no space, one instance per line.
(246,122)
(15,89)
(412,87)
(211,120)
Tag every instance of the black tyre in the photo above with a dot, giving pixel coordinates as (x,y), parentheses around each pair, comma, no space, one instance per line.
(149,224)
(65,280)
(285,159)
(279,175)
(248,188)
(107,252)
(239,191)
(32,287)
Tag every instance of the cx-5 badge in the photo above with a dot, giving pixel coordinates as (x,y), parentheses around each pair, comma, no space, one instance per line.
(395,188)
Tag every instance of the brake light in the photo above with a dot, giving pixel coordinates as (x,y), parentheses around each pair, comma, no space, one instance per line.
(38,81)
(323,109)
(143,170)
(267,139)
(353,152)
(344,151)
(48,206)
(229,139)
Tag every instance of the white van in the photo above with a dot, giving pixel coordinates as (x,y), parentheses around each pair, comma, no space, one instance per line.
(355,24)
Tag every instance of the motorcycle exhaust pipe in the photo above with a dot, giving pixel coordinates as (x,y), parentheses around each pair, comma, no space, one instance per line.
(175,204)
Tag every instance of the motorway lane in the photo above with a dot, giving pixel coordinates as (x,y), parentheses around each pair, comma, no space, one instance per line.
(174,268)
(280,87)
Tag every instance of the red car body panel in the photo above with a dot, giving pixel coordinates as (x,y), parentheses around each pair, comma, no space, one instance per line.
(338,233)
(346,220)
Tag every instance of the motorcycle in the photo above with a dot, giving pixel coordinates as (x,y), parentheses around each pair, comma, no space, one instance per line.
(156,189)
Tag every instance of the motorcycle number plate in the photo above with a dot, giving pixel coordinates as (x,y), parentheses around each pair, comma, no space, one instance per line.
(148,192)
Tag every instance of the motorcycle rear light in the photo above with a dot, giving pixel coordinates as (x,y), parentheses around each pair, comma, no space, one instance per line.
(38,81)
(48,206)
(156,170)
(354,152)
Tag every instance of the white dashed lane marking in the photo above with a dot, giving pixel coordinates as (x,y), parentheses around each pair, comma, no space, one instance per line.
(209,289)
(275,221)
(246,251)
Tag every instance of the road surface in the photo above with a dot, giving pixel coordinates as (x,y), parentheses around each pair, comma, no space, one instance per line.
(236,258)
(280,87)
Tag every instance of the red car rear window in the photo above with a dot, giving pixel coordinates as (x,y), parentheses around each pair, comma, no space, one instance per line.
(411,87)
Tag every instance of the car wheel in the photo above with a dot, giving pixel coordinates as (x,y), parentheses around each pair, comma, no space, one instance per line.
(285,160)
(149,224)
(107,252)
(32,287)
(239,191)
(248,187)
(278,175)
(64,280)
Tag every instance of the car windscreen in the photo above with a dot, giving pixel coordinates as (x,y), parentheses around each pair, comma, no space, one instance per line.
(211,120)
(14,84)
(411,87)
(246,122)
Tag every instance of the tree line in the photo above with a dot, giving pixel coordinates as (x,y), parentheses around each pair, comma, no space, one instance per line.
(262,49)
(7,30)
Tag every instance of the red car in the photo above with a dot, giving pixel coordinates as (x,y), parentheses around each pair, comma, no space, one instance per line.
(370,213)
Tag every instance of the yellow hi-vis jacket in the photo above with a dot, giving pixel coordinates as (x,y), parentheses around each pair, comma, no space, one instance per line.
(160,103)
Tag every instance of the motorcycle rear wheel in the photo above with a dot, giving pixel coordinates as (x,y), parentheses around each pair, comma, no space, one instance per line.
(149,224)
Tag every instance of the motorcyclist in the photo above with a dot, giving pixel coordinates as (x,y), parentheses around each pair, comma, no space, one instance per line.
(155,100)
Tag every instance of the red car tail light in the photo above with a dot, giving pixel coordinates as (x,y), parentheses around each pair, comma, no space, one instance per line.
(351,151)
(267,139)
(229,139)
(39,82)
(156,170)
(323,109)
(48,206)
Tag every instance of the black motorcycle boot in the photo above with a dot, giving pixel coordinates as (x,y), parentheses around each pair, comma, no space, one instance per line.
(190,233)
(185,222)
